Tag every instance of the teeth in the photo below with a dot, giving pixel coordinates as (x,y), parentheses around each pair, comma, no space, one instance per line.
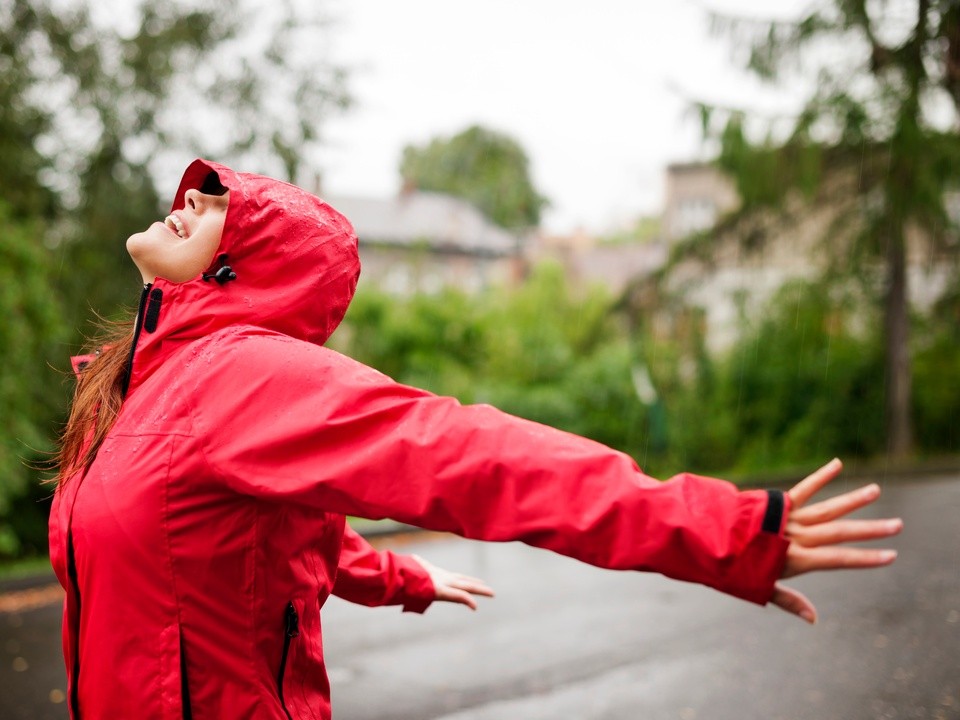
(174,223)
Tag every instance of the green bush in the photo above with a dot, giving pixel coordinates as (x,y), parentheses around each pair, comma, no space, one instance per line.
(537,351)
(936,377)
(803,383)
(799,385)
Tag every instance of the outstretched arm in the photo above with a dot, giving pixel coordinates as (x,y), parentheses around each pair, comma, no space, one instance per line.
(334,435)
(817,531)
(369,577)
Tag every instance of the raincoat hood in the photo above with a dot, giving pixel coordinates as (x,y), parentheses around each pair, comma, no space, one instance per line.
(295,262)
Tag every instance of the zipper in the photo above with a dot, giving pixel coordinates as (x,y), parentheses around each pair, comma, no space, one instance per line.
(138,326)
(291,629)
(74,582)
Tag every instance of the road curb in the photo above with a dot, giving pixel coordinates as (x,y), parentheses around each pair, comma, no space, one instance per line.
(878,471)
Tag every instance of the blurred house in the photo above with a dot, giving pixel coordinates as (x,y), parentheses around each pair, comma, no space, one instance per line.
(696,196)
(424,241)
(586,260)
(725,265)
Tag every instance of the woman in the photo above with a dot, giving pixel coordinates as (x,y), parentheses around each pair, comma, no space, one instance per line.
(211,456)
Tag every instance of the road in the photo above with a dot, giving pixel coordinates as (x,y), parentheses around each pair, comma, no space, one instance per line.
(563,640)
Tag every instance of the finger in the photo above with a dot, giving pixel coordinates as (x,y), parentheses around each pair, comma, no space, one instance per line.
(843,531)
(475,587)
(449,594)
(835,507)
(469,579)
(794,602)
(802,560)
(814,482)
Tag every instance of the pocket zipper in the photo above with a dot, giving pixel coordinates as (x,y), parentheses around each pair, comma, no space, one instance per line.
(291,626)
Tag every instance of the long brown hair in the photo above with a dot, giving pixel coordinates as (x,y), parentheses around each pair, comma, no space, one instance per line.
(102,385)
(96,401)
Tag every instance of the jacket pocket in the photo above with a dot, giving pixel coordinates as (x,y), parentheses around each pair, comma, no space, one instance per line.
(291,629)
(184,686)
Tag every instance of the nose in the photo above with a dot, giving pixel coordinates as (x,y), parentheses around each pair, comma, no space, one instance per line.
(194,200)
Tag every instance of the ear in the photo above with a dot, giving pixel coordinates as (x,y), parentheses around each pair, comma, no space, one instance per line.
(80,362)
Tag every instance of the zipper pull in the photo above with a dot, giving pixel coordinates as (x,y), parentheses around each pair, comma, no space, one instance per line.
(292,621)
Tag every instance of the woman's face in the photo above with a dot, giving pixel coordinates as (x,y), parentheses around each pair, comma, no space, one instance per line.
(184,244)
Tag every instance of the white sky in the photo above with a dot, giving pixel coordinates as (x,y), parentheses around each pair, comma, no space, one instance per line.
(596,92)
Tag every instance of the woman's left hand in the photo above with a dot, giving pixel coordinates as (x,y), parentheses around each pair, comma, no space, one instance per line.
(816,533)
(455,587)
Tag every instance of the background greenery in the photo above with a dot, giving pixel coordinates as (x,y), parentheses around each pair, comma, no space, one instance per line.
(884,112)
(484,166)
(803,383)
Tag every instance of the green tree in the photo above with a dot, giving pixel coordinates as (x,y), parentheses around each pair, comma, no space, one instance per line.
(33,330)
(884,120)
(537,351)
(104,102)
(487,168)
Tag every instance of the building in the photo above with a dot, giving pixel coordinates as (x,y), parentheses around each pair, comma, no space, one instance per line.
(696,196)
(722,279)
(587,261)
(424,241)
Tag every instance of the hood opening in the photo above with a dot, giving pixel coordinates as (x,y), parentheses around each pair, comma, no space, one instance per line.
(212,185)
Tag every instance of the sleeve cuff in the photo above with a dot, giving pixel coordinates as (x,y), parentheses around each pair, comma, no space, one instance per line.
(761,563)
(418,590)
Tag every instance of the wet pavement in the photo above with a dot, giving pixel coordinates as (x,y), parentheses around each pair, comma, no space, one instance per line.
(563,640)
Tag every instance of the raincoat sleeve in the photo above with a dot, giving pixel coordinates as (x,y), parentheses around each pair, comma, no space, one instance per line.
(287,421)
(368,577)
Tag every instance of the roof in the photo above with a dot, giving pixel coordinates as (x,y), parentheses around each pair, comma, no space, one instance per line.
(418,218)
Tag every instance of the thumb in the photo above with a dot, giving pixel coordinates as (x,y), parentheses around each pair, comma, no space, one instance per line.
(794,602)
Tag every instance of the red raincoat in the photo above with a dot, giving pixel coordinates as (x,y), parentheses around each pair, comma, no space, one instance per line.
(364,576)
(198,548)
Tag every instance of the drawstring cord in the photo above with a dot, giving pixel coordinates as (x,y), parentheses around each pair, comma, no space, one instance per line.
(224,273)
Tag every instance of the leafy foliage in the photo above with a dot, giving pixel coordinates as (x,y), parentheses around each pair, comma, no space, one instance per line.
(804,381)
(33,329)
(884,116)
(487,168)
(537,351)
(936,369)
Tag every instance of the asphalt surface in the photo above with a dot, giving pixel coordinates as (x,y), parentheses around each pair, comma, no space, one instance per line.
(563,640)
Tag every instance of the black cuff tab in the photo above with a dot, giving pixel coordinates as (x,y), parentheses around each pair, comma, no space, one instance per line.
(773,518)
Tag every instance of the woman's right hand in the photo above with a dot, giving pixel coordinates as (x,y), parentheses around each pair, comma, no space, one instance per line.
(455,587)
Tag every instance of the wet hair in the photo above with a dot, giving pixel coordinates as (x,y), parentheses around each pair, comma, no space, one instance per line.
(96,401)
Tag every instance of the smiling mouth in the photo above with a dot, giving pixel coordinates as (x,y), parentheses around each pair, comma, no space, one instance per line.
(175,224)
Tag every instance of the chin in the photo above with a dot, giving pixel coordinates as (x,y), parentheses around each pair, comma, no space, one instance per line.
(141,245)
